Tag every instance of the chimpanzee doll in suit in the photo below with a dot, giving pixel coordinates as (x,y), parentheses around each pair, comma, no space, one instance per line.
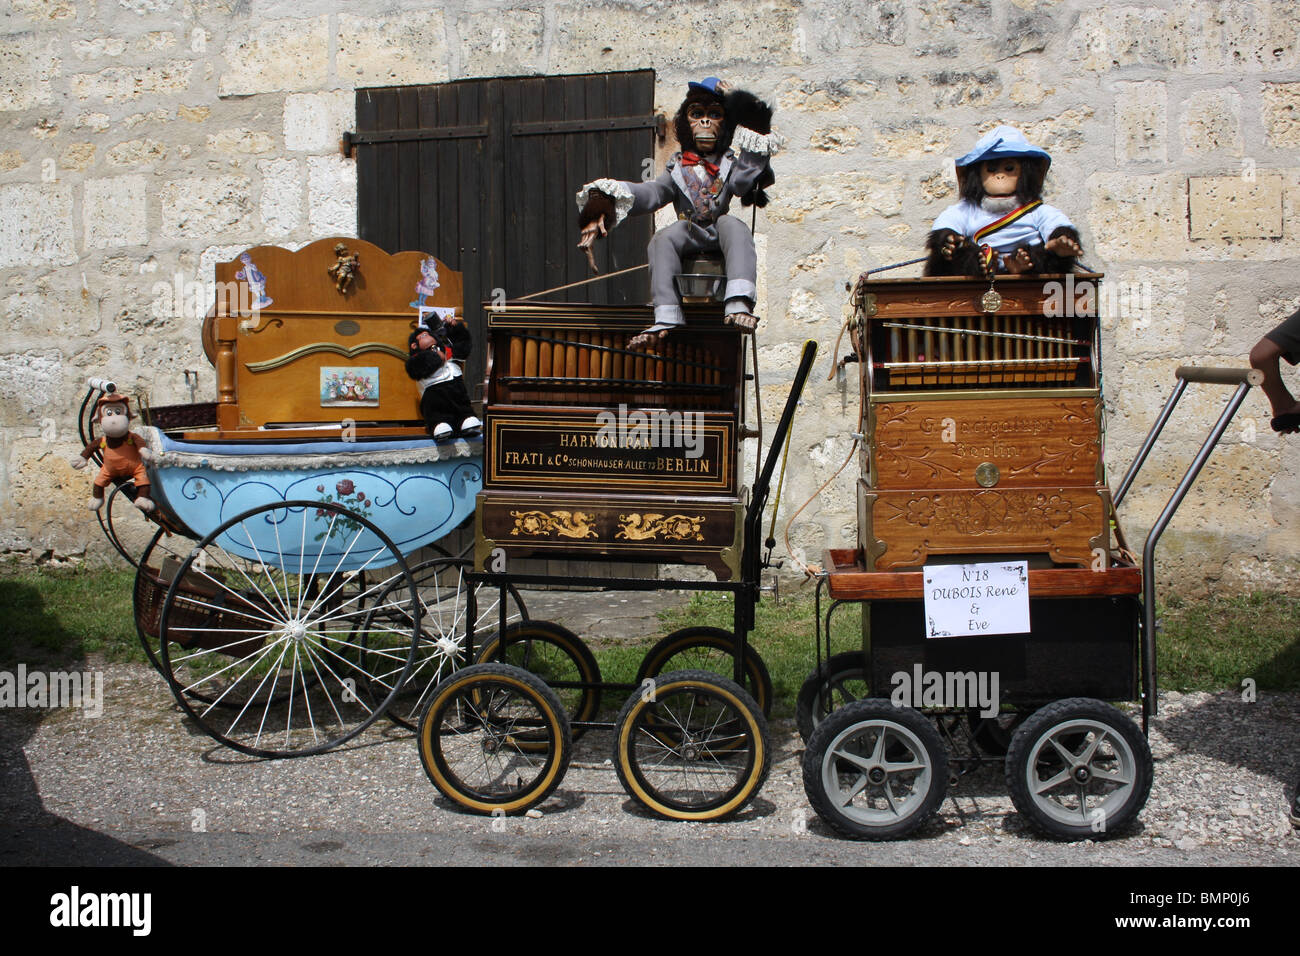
(700,182)
(1002,224)
(434,362)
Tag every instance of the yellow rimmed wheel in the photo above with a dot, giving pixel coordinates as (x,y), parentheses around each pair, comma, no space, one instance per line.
(556,655)
(494,739)
(704,648)
(693,747)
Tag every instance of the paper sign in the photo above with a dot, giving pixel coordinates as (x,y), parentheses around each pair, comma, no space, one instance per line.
(964,600)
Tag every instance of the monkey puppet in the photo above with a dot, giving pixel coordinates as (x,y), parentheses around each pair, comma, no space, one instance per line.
(1001,224)
(434,365)
(700,182)
(124,452)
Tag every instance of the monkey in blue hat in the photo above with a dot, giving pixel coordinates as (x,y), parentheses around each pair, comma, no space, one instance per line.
(726,139)
(1002,224)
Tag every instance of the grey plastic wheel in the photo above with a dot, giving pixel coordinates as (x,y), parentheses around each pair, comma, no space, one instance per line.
(874,771)
(1078,769)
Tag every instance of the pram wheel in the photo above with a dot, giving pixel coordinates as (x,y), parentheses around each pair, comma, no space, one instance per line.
(704,648)
(556,655)
(695,749)
(1078,769)
(874,771)
(494,739)
(260,629)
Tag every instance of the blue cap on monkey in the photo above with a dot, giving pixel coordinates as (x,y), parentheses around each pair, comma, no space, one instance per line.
(708,84)
(1003,143)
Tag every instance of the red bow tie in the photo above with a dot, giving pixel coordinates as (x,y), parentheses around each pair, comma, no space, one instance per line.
(693,159)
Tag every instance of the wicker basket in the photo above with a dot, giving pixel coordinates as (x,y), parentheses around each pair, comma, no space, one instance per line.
(181,417)
(198,604)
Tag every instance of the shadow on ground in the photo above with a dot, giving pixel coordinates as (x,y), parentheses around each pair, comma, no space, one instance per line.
(29,834)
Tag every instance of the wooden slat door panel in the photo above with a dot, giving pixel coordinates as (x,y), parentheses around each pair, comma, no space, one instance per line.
(497,204)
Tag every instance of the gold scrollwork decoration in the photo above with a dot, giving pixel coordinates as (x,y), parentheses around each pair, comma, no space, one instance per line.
(638,527)
(251,327)
(566,524)
(282,360)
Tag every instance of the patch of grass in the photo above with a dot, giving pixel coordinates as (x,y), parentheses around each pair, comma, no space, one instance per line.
(783,636)
(54,617)
(1216,643)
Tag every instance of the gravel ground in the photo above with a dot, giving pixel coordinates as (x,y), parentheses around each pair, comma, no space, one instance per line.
(139,785)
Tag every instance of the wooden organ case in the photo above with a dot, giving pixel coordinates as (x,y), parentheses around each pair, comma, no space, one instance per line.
(983,420)
(298,356)
(596,452)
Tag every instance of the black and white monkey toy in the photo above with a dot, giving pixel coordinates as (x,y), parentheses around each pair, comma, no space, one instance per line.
(1002,224)
(726,139)
(436,352)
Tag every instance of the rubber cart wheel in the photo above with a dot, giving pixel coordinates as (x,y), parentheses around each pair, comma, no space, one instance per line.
(840,680)
(556,655)
(704,648)
(874,771)
(263,639)
(441,587)
(695,747)
(470,739)
(1078,769)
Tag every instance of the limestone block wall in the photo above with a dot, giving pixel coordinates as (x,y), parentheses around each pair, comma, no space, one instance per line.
(143,140)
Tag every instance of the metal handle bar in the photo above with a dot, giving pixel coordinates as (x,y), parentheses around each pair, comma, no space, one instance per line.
(1243,379)
(749,559)
(1220,376)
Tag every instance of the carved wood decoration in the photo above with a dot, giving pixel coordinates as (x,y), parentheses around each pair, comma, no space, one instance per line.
(942,444)
(644,528)
(903,528)
(290,348)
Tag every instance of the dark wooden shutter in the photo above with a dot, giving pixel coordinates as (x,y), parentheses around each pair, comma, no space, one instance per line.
(482,174)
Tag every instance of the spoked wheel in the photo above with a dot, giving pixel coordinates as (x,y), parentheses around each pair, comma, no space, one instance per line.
(470,739)
(696,748)
(1078,769)
(712,649)
(556,655)
(442,589)
(265,639)
(874,771)
(838,681)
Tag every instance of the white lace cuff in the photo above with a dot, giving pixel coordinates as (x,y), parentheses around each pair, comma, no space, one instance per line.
(615,190)
(764,144)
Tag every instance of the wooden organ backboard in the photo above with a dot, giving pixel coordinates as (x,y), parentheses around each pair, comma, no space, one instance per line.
(296,357)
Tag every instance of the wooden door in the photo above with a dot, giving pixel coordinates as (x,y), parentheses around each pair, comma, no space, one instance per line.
(482,174)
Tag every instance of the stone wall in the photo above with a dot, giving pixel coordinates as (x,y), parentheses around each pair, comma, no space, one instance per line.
(146,139)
